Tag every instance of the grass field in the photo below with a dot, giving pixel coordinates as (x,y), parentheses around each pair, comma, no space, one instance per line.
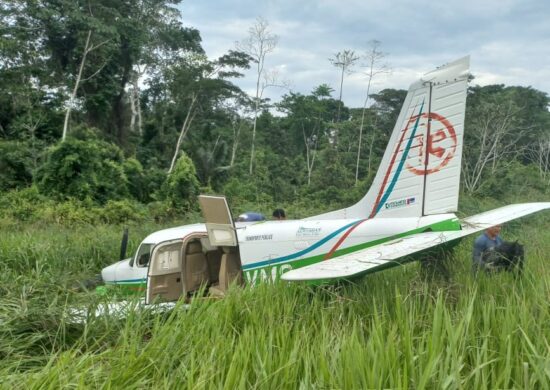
(390,330)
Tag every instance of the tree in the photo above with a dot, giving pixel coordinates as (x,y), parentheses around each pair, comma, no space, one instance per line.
(374,56)
(15,165)
(306,117)
(198,81)
(259,43)
(323,91)
(311,143)
(88,48)
(343,60)
(89,51)
(162,42)
(237,124)
(29,107)
(540,154)
(149,35)
(210,157)
(181,186)
(66,34)
(492,135)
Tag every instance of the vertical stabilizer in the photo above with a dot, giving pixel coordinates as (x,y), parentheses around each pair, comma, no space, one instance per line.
(420,171)
(448,105)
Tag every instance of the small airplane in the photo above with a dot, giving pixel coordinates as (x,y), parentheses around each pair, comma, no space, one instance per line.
(408,210)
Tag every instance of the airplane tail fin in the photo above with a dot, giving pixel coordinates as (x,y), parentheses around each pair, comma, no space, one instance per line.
(420,171)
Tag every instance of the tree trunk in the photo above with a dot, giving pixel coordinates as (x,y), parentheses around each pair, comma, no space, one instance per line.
(256,108)
(370,152)
(361,130)
(250,167)
(75,89)
(340,98)
(135,106)
(119,104)
(184,128)
(309,160)
(236,133)
(134,112)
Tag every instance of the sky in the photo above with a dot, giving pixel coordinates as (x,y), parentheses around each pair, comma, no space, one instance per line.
(508,40)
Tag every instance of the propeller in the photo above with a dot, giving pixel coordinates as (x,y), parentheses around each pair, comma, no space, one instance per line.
(124,244)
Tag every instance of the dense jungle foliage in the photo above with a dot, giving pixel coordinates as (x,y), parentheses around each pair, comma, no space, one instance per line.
(101,98)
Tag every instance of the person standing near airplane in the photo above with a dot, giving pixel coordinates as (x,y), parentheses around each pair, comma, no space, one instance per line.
(279,214)
(489,240)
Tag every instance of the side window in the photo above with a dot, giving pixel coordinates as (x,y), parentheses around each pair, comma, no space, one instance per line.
(143,255)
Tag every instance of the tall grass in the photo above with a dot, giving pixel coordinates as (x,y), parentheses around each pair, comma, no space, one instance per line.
(394,329)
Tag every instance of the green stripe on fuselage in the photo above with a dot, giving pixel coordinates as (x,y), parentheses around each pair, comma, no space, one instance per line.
(273,273)
(127,288)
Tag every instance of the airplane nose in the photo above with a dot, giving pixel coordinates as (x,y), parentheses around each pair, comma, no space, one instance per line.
(108,274)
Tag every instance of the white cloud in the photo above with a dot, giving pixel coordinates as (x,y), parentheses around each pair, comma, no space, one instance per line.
(507,39)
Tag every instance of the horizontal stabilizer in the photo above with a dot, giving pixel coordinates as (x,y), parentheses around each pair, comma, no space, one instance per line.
(395,252)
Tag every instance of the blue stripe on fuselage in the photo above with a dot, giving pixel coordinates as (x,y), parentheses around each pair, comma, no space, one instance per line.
(300,253)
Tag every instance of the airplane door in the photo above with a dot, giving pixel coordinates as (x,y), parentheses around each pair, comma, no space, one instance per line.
(219,222)
(164,275)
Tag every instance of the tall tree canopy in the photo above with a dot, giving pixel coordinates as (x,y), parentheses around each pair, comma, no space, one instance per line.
(145,112)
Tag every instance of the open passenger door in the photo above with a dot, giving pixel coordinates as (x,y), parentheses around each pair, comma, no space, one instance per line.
(164,275)
(221,233)
(219,222)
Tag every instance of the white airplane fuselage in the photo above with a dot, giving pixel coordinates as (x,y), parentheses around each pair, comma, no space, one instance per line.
(269,248)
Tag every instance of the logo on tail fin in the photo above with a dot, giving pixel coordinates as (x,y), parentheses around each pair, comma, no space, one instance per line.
(442,144)
(384,193)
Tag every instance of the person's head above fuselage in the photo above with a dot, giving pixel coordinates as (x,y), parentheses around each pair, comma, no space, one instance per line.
(279,214)
(493,231)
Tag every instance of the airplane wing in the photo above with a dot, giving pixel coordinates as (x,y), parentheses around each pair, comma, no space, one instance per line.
(396,252)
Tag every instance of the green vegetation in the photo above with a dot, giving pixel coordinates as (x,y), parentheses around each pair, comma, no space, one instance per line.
(105,98)
(112,114)
(392,329)
(83,170)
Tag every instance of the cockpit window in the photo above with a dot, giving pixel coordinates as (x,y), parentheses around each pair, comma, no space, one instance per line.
(143,255)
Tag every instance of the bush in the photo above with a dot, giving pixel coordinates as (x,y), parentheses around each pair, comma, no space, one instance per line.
(516,182)
(83,169)
(136,179)
(153,179)
(15,165)
(244,196)
(181,187)
(21,205)
(160,211)
(29,205)
(121,211)
(70,212)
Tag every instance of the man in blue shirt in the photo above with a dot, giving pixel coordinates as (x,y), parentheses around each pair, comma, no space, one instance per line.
(489,240)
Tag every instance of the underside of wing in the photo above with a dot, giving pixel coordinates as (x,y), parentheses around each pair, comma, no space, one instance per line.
(399,251)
